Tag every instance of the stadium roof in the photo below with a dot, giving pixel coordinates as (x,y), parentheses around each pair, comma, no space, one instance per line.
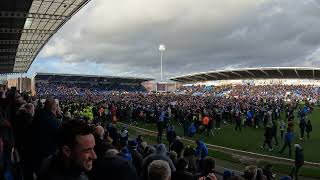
(53,77)
(252,73)
(27,25)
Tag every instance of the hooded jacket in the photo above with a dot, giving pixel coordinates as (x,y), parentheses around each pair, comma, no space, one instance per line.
(161,154)
(201,150)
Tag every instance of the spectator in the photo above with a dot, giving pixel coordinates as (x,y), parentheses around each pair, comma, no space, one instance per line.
(22,127)
(113,167)
(124,152)
(208,172)
(159,170)
(250,173)
(302,126)
(268,135)
(308,129)
(160,124)
(182,170)
(160,154)
(299,161)
(288,140)
(282,128)
(137,158)
(44,133)
(267,171)
(189,154)
(74,156)
(173,156)
(171,134)
(201,150)
(101,146)
(260,175)
(177,146)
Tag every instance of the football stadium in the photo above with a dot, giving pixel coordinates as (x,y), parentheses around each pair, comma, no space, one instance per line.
(59,122)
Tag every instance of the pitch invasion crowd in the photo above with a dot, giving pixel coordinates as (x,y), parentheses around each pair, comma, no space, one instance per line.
(77,138)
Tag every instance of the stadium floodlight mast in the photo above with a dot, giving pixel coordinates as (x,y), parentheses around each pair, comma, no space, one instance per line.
(162,48)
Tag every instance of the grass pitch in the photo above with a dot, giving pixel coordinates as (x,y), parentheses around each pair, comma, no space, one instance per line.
(250,139)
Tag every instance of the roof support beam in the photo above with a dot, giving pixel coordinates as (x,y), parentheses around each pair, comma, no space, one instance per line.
(212,76)
(19,31)
(313,74)
(63,79)
(22,41)
(200,77)
(50,78)
(250,73)
(6,63)
(8,50)
(236,73)
(188,78)
(264,72)
(24,56)
(24,15)
(295,70)
(223,74)
(178,80)
(8,57)
(280,72)
(78,79)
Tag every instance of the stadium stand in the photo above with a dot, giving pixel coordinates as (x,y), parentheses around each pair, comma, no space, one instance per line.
(252,73)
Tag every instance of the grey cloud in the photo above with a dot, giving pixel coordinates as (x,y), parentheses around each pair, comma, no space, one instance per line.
(199,36)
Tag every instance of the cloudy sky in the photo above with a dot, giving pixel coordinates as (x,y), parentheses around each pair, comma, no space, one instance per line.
(121,37)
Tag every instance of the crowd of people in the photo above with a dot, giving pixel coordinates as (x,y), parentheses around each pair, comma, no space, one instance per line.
(72,134)
(58,89)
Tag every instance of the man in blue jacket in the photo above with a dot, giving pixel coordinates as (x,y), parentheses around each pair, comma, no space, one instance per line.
(201,150)
(288,140)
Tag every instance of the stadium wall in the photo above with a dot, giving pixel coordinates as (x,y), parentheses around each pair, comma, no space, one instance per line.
(25,84)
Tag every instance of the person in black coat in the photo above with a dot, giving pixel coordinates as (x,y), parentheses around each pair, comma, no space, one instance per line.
(22,127)
(302,126)
(44,133)
(177,146)
(299,161)
(274,132)
(101,146)
(268,137)
(308,128)
(137,158)
(74,156)
(114,167)
(181,171)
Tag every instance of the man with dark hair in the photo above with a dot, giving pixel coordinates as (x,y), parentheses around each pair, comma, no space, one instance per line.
(177,146)
(113,166)
(208,171)
(74,156)
(44,132)
(182,173)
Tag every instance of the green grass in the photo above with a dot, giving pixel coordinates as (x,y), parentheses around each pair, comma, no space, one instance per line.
(286,169)
(250,139)
(278,168)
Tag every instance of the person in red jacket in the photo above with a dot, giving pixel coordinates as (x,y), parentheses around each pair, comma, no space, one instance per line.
(114,114)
